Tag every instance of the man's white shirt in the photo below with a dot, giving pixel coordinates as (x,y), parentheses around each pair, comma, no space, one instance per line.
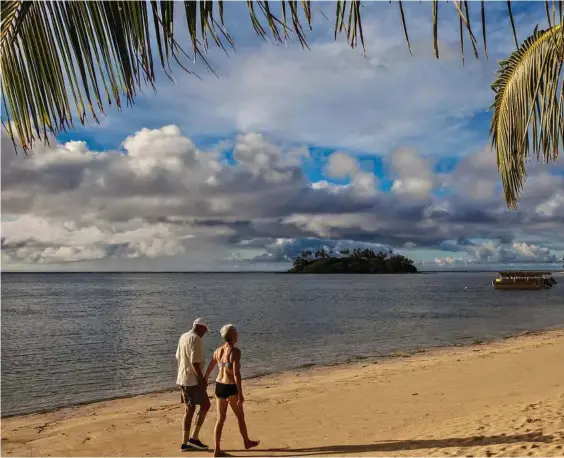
(190,350)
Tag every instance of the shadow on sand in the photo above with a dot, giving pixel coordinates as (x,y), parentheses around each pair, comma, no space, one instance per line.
(399,445)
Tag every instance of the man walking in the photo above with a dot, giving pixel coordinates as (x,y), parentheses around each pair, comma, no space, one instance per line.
(193,386)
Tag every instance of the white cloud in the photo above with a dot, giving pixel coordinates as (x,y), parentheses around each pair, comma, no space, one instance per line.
(341,165)
(33,239)
(334,96)
(450,261)
(553,206)
(163,197)
(517,252)
(533,253)
(414,175)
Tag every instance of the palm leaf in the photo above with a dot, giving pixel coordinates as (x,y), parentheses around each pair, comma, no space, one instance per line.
(63,60)
(13,13)
(528,116)
(69,59)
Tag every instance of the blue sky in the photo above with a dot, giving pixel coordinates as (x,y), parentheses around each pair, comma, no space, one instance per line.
(290,149)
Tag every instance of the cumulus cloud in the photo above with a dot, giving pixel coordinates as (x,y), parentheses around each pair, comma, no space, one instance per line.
(285,250)
(67,203)
(336,97)
(448,262)
(413,174)
(161,196)
(518,252)
(32,239)
(494,252)
(342,165)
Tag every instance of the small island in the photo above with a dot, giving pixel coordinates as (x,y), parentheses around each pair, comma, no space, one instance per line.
(356,262)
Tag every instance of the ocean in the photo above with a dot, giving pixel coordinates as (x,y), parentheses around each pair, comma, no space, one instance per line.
(76,338)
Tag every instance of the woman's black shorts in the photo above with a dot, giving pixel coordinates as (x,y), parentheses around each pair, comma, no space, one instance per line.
(224,391)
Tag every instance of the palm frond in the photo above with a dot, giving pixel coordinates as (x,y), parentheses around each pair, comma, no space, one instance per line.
(98,53)
(512,21)
(404,25)
(64,60)
(12,14)
(484,34)
(67,60)
(528,116)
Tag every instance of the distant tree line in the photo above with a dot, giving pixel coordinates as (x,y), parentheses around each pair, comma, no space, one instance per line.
(356,261)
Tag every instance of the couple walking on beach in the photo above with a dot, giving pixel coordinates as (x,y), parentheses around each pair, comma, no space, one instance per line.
(193,383)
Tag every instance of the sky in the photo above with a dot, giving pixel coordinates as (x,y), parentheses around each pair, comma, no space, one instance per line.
(290,149)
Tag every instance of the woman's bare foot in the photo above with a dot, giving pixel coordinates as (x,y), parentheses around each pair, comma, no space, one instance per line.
(221,453)
(251,444)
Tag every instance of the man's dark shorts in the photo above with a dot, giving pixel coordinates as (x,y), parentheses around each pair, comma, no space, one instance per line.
(193,395)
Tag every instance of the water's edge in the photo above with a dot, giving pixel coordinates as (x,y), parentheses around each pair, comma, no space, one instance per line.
(306,367)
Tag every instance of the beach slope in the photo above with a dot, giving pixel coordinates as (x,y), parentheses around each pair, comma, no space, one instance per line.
(504,398)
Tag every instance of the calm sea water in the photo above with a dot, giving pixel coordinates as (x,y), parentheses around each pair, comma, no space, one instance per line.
(72,338)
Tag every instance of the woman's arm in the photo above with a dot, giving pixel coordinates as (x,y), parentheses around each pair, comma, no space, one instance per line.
(237,373)
(211,367)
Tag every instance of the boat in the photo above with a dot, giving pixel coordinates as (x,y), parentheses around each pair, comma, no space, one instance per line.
(524,280)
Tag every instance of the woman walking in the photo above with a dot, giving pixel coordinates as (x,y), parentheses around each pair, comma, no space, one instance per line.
(228,386)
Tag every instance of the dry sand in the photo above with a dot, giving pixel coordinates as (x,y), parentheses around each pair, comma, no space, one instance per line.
(505,399)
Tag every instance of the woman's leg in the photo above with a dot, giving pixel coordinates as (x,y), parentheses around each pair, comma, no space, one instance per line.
(221,415)
(240,414)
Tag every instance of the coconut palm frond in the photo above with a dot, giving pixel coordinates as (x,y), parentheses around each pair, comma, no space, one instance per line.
(404,26)
(512,21)
(436,27)
(68,60)
(528,111)
(64,60)
(12,14)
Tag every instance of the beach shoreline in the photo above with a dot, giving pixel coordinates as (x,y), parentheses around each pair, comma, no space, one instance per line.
(403,353)
(501,398)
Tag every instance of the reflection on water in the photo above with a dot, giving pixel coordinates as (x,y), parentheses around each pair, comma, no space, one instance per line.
(70,338)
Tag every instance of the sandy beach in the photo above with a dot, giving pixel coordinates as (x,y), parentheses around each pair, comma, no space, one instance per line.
(504,398)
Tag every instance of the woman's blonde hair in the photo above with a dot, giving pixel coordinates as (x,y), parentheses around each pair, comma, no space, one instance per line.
(227,332)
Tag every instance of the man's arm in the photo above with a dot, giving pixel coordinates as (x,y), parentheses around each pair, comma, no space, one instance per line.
(197,359)
(198,370)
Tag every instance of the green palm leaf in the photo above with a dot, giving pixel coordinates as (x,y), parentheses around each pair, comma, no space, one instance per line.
(63,60)
(528,116)
(12,15)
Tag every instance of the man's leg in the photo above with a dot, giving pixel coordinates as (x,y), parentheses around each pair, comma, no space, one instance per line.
(201,417)
(187,422)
